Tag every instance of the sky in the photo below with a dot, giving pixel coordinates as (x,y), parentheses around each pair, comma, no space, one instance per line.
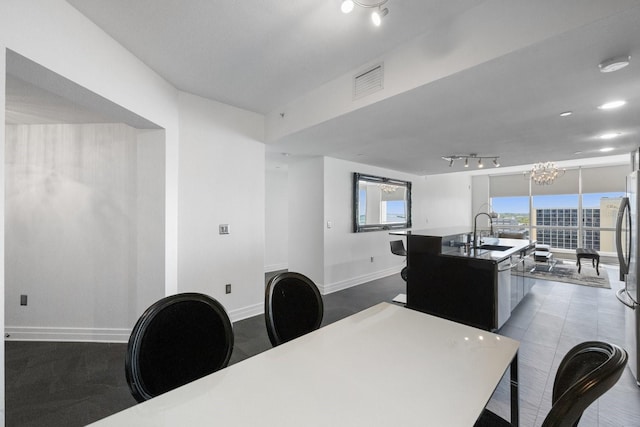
(521,204)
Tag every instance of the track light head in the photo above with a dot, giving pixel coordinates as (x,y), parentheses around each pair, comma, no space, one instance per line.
(377,15)
(347,6)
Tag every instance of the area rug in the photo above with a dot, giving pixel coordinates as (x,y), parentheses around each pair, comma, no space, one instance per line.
(566,271)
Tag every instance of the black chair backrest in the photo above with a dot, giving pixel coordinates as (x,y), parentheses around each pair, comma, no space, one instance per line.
(177,340)
(586,372)
(292,307)
(397,247)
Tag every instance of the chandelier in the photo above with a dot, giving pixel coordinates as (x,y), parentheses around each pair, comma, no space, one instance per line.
(376,16)
(473,157)
(545,173)
(388,188)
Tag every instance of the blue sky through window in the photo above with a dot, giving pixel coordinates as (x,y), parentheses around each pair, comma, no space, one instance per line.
(521,204)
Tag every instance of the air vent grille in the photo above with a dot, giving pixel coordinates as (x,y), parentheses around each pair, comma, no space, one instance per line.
(368,82)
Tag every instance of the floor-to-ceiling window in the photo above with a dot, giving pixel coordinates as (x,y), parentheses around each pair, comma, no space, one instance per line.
(577,210)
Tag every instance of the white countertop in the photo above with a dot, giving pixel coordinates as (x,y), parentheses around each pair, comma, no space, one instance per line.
(385,366)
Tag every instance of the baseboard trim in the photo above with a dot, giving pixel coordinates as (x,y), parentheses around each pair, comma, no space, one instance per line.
(355,281)
(275,267)
(246,312)
(20,333)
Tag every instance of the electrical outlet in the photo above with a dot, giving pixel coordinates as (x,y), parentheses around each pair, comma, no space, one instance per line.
(227,288)
(23,300)
(223,228)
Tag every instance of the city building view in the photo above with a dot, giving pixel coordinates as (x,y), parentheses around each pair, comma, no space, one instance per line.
(561,227)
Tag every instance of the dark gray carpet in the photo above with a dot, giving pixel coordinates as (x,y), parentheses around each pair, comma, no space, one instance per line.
(52,384)
(72,384)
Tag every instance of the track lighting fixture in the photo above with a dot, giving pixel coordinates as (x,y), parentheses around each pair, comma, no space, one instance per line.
(451,159)
(614,64)
(347,6)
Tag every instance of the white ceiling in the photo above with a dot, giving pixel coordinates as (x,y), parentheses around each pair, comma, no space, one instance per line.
(260,55)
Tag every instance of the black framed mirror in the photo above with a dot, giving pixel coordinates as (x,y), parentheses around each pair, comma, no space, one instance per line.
(380,203)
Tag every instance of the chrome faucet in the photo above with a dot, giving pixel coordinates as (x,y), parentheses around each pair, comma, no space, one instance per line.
(475,226)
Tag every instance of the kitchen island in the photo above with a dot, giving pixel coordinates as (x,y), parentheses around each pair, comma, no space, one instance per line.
(449,279)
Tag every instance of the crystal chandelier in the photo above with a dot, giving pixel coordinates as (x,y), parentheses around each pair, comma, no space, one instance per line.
(388,188)
(545,173)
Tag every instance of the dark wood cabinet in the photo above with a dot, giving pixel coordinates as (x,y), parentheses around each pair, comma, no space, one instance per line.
(445,281)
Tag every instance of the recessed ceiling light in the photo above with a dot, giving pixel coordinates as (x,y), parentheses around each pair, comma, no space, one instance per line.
(613,104)
(566,114)
(614,64)
(606,149)
(610,135)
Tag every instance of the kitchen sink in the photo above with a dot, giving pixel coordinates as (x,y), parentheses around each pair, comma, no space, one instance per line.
(495,247)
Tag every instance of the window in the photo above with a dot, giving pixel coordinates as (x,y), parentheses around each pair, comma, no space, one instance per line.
(555,220)
(599,214)
(513,214)
(561,215)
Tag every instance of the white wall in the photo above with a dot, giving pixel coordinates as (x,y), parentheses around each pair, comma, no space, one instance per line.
(64,41)
(320,192)
(150,282)
(437,201)
(222,182)
(71,221)
(306,218)
(444,201)
(56,36)
(276,253)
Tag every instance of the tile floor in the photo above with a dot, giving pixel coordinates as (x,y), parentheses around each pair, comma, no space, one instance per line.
(73,384)
(552,319)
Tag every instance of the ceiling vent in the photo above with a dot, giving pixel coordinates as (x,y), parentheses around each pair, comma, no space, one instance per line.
(368,82)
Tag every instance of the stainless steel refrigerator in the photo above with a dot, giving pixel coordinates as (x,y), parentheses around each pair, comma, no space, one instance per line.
(627,242)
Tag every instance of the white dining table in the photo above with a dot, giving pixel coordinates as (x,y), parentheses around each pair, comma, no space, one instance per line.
(385,366)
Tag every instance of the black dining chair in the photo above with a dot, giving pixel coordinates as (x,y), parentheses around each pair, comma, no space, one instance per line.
(292,307)
(180,338)
(586,372)
(397,248)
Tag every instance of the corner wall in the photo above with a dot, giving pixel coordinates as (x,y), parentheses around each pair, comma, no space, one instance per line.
(72,218)
(276,253)
(319,191)
(222,182)
(306,217)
